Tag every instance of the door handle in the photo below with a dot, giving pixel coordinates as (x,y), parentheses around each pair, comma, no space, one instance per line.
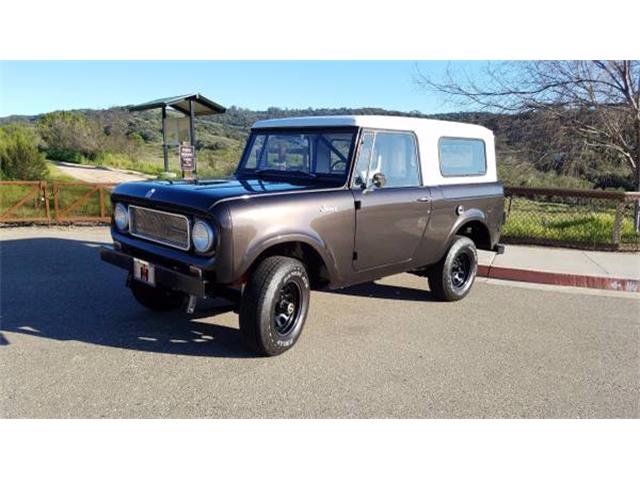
(423,199)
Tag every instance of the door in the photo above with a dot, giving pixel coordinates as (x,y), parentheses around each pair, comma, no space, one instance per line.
(392,206)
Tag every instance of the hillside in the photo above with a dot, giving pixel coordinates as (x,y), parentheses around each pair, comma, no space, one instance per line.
(531,150)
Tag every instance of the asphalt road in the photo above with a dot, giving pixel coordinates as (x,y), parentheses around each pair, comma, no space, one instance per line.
(74,343)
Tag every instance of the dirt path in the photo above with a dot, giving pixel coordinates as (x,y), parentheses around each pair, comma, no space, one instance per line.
(91,174)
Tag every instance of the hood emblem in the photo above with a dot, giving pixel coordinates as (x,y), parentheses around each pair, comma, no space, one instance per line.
(149,193)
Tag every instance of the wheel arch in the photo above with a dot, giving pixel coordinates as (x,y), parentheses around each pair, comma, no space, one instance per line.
(473,224)
(478,232)
(318,262)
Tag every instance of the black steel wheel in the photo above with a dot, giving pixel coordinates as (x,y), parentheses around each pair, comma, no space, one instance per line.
(287,308)
(452,277)
(460,270)
(274,305)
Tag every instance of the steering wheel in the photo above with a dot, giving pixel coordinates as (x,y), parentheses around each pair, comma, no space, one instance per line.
(338,162)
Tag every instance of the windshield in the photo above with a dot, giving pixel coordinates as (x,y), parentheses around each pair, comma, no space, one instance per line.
(313,154)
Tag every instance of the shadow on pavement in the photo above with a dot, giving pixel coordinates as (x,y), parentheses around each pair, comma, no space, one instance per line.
(393,292)
(59,289)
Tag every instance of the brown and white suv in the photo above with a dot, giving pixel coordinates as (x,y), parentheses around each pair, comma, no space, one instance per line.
(316,202)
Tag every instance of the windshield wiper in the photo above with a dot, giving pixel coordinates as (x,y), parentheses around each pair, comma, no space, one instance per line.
(275,171)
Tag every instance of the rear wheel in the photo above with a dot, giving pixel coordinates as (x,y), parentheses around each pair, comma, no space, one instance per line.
(157,298)
(274,305)
(452,277)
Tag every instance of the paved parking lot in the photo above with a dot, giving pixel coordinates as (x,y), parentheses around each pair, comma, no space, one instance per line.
(75,344)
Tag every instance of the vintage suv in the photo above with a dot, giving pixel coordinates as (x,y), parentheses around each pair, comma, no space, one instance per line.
(316,202)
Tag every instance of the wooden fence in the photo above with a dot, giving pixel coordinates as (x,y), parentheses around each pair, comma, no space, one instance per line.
(591,219)
(58,202)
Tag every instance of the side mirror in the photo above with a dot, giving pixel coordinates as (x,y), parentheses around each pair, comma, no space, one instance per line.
(379,180)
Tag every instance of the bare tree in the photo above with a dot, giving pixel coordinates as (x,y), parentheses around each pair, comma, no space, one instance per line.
(598,100)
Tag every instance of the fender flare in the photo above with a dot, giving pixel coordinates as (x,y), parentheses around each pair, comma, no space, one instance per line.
(471,215)
(313,241)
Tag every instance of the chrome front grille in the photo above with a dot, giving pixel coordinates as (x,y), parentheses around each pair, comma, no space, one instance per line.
(161,227)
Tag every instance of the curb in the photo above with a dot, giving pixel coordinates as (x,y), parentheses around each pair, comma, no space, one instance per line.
(564,279)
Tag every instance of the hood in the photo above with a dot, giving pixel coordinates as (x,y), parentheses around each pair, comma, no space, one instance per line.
(201,195)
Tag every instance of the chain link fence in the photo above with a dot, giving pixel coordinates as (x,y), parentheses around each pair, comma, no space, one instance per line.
(596,220)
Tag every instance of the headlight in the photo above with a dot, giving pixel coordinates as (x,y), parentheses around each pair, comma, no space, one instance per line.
(202,236)
(121,217)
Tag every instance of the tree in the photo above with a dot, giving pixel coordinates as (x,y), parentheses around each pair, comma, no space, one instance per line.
(598,101)
(70,132)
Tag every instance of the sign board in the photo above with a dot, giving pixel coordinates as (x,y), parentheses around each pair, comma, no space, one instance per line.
(187,158)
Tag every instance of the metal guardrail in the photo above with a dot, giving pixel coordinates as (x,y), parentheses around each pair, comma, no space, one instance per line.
(592,219)
(73,202)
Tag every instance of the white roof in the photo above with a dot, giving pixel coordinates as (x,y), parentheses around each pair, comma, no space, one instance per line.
(377,121)
(428,132)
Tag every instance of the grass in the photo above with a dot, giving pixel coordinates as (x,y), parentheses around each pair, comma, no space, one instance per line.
(571,223)
(125,162)
(55,175)
(69,194)
(12,194)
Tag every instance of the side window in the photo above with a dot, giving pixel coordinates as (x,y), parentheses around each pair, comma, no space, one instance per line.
(462,157)
(395,156)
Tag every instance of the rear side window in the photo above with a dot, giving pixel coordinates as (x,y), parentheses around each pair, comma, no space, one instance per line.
(461,157)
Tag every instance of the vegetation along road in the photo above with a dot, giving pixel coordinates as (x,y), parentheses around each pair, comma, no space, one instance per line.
(75,344)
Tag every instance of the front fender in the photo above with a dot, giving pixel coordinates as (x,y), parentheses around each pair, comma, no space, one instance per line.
(259,245)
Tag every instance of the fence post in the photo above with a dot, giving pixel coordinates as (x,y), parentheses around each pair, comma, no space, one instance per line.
(56,207)
(101,194)
(617,223)
(45,195)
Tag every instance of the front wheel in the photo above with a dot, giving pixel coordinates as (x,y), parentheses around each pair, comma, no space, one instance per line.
(274,305)
(452,277)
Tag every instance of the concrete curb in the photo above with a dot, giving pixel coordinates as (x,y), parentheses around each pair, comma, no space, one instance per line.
(565,279)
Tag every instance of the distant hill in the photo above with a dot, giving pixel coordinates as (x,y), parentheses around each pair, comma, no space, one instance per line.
(531,149)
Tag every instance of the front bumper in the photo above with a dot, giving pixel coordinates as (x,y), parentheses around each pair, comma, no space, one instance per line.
(165,277)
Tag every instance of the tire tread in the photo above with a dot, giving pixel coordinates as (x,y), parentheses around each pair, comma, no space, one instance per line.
(253,298)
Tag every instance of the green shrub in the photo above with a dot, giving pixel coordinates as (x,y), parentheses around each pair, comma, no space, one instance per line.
(69,132)
(20,158)
(218,163)
(66,155)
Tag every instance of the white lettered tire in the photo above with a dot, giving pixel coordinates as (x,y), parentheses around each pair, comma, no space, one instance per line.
(274,305)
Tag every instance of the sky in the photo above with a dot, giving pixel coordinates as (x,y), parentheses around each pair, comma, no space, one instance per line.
(32,87)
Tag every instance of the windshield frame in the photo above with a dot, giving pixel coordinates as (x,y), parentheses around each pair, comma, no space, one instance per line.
(343,179)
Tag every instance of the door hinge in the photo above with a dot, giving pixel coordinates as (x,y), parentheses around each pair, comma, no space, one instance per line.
(358,204)
(355,255)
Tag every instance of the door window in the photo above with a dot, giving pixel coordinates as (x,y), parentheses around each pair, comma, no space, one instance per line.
(393,154)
